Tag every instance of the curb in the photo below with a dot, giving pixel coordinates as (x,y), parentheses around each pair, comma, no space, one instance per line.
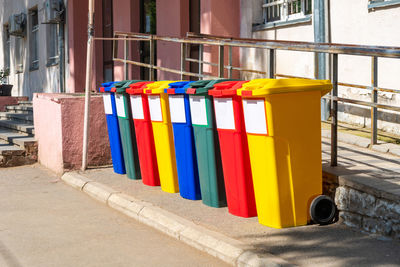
(229,250)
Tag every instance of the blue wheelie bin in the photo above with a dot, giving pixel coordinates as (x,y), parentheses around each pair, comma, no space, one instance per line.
(185,150)
(110,110)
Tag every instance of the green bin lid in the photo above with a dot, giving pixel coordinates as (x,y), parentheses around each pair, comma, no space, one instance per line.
(203,86)
(123,85)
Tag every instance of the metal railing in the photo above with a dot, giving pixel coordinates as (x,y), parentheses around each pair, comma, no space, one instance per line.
(333,50)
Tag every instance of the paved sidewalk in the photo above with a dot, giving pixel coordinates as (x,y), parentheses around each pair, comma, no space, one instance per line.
(313,245)
(44,222)
(354,159)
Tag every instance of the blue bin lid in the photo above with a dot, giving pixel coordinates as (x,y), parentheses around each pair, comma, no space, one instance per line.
(106,87)
(178,87)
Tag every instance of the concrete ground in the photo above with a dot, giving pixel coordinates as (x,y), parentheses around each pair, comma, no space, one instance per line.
(312,245)
(44,222)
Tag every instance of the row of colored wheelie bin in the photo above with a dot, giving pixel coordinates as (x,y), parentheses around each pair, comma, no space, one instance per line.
(254,146)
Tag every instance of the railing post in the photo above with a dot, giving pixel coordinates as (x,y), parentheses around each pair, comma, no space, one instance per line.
(125,59)
(374,99)
(271,71)
(201,48)
(230,71)
(183,59)
(152,58)
(334,110)
(221,62)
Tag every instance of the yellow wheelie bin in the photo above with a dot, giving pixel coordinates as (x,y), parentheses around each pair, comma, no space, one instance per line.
(163,135)
(283,127)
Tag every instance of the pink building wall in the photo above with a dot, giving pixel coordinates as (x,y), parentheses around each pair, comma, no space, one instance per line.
(126,18)
(220,17)
(60,143)
(77,39)
(172,20)
(77,44)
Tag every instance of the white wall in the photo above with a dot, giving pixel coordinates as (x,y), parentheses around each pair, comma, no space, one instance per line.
(45,79)
(357,25)
(291,63)
(351,23)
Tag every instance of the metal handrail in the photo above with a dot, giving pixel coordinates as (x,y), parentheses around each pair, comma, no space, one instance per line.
(271,45)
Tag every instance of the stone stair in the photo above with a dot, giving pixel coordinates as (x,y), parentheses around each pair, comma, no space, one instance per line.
(17,143)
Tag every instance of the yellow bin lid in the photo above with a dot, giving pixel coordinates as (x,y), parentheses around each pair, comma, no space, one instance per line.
(262,87)
(157,87)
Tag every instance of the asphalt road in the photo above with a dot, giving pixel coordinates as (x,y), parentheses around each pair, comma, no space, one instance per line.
(44,222)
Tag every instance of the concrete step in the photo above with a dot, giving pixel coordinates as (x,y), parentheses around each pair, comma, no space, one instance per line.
(20,139)
(19,126)
(21,117)
(6,147)
(20,109)
(12,155)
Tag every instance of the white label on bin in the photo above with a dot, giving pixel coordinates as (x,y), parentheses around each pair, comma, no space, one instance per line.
(137,107)
(254,116)
(177,108)
(119,102)
(155,108)
(224,113)
(107,103)
(198,109)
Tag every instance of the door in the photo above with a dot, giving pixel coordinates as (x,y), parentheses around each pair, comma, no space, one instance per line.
(147,25)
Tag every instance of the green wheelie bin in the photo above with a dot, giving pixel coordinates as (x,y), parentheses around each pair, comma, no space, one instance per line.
(127,130)
(207,143)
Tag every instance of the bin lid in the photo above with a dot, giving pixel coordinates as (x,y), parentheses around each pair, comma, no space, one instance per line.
(157,87)
(203,86)
(228,88)
(121,87)
(178,87)
(262,87)
(106,87)
(137,88)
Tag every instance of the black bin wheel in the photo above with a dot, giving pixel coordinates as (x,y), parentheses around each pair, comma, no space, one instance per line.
(322,210)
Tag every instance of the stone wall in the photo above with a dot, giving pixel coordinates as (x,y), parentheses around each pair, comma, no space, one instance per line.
(365,202)
(372,214)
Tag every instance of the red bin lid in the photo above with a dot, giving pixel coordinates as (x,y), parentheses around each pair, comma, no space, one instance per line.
(137,88)
(228,88)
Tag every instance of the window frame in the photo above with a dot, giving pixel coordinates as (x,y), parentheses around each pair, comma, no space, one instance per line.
(19,50)
(285,17)
(33,43)
(372,4)
(52,40)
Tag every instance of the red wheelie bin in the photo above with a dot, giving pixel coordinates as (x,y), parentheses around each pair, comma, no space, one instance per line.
(234,148)
(144,133)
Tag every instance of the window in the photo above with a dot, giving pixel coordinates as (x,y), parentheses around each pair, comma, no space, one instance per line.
(285,10)
(33,40)
(52,44)
(382,3)
(19,52)
(6,46)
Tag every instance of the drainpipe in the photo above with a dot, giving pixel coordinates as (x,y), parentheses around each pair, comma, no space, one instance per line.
(320,36)
(89,55)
